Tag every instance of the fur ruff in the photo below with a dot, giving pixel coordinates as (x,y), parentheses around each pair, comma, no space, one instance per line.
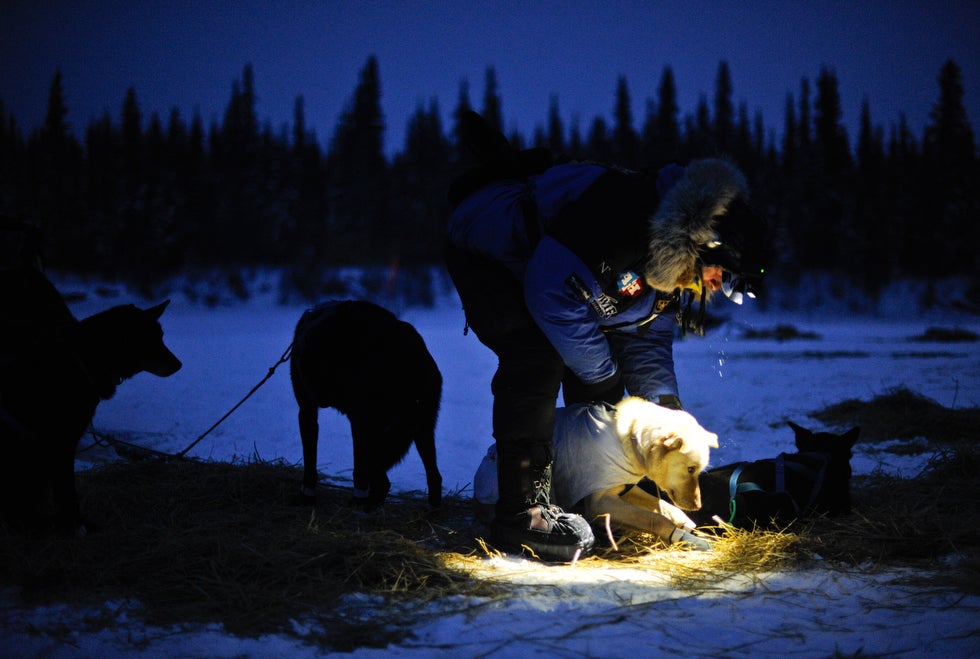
(687,219)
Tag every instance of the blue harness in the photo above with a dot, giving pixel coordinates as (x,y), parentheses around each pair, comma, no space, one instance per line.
(781,464)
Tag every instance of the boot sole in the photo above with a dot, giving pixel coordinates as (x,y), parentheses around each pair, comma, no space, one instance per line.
(516,541)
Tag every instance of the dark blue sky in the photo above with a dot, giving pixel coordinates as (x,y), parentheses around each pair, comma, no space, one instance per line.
(186,54)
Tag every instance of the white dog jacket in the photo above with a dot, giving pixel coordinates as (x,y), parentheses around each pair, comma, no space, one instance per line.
(589,458)
(589,455)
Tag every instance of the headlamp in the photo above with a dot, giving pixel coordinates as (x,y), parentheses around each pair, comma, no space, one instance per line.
(736,288)
(740,248)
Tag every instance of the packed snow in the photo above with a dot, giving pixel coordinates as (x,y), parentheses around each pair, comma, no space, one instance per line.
(745,390)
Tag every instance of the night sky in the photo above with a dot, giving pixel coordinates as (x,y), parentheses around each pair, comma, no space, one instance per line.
(187,54)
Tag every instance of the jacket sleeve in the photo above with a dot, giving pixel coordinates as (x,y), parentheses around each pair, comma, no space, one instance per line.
(564,316)
(647,359)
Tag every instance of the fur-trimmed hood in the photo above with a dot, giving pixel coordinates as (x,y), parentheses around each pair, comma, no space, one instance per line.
(687,219)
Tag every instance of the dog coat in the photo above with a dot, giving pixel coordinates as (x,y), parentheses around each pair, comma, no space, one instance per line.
(589,455)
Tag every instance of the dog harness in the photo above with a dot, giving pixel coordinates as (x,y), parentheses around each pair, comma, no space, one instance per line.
(781,464)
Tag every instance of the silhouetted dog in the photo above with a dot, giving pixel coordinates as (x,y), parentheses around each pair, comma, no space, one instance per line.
(55,370)
(359,359)
(775,491)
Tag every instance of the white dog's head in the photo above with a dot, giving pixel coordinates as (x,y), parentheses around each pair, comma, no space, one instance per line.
(672,445)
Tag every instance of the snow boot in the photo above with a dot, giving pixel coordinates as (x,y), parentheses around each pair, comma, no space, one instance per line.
(526,521)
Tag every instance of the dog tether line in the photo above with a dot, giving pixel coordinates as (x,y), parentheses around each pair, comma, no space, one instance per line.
(272,370)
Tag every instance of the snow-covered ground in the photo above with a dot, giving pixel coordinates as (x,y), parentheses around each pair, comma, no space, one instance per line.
(745,390)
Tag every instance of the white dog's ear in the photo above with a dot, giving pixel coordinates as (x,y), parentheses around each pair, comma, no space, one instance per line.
(712,439)
(628,415)
(673,443)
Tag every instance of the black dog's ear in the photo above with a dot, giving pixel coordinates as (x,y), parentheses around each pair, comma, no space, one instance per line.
(851,436)
(803,438)
(799,430)
(157,311)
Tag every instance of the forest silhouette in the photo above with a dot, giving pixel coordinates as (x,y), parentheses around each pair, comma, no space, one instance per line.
(141,200)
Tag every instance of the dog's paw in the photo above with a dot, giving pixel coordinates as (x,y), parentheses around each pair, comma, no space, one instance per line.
(366,504)
(687,540)
(305,497)
(302,499)
(369,498)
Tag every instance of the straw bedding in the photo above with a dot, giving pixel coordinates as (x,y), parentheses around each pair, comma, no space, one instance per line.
(218,542)
(214,542)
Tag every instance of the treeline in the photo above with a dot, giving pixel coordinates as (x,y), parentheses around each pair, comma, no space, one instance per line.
(144,198)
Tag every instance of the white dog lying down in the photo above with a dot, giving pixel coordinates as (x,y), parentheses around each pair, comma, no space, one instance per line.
(602,451)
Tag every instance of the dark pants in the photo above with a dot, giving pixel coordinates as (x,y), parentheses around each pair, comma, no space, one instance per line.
(528,378)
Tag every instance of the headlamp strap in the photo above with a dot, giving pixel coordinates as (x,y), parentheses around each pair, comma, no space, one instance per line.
(684,316)
(699,324)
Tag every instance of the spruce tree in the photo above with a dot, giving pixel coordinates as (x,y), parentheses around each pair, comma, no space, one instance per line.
(698,141)
(905,203)
(830,178)
(800,214)
(55,166)
(492,105)
(625,142)
(12,161)
(132,144)
(232,235)
(668,134)
(875,241)
(103,192)
(462,158)
(307,202)
(723,127)
(576,145)
(790,133)
(359,230)
(952,185)
(598,146)
(555,139)
(420,178)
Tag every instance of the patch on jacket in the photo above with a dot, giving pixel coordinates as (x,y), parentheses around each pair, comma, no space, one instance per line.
(664,302)
(604,306)
(624,291)
(578,287)
(630,284)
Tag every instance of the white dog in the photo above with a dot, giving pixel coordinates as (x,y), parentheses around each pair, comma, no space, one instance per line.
(602,451)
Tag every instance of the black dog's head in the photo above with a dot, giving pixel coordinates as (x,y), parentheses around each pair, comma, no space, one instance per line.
(126,340)
(159,360)
(835,495)
(839,446)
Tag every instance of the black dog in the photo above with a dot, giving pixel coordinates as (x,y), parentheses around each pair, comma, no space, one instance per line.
(55,371)
(359,359)
(775,491)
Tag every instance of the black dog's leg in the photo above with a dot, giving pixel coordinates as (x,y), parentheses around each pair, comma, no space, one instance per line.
(67,515)
(309,430)
(425,444)
(380,486)
(371,484)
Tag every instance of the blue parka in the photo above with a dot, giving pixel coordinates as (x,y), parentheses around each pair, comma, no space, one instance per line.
(543,230)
